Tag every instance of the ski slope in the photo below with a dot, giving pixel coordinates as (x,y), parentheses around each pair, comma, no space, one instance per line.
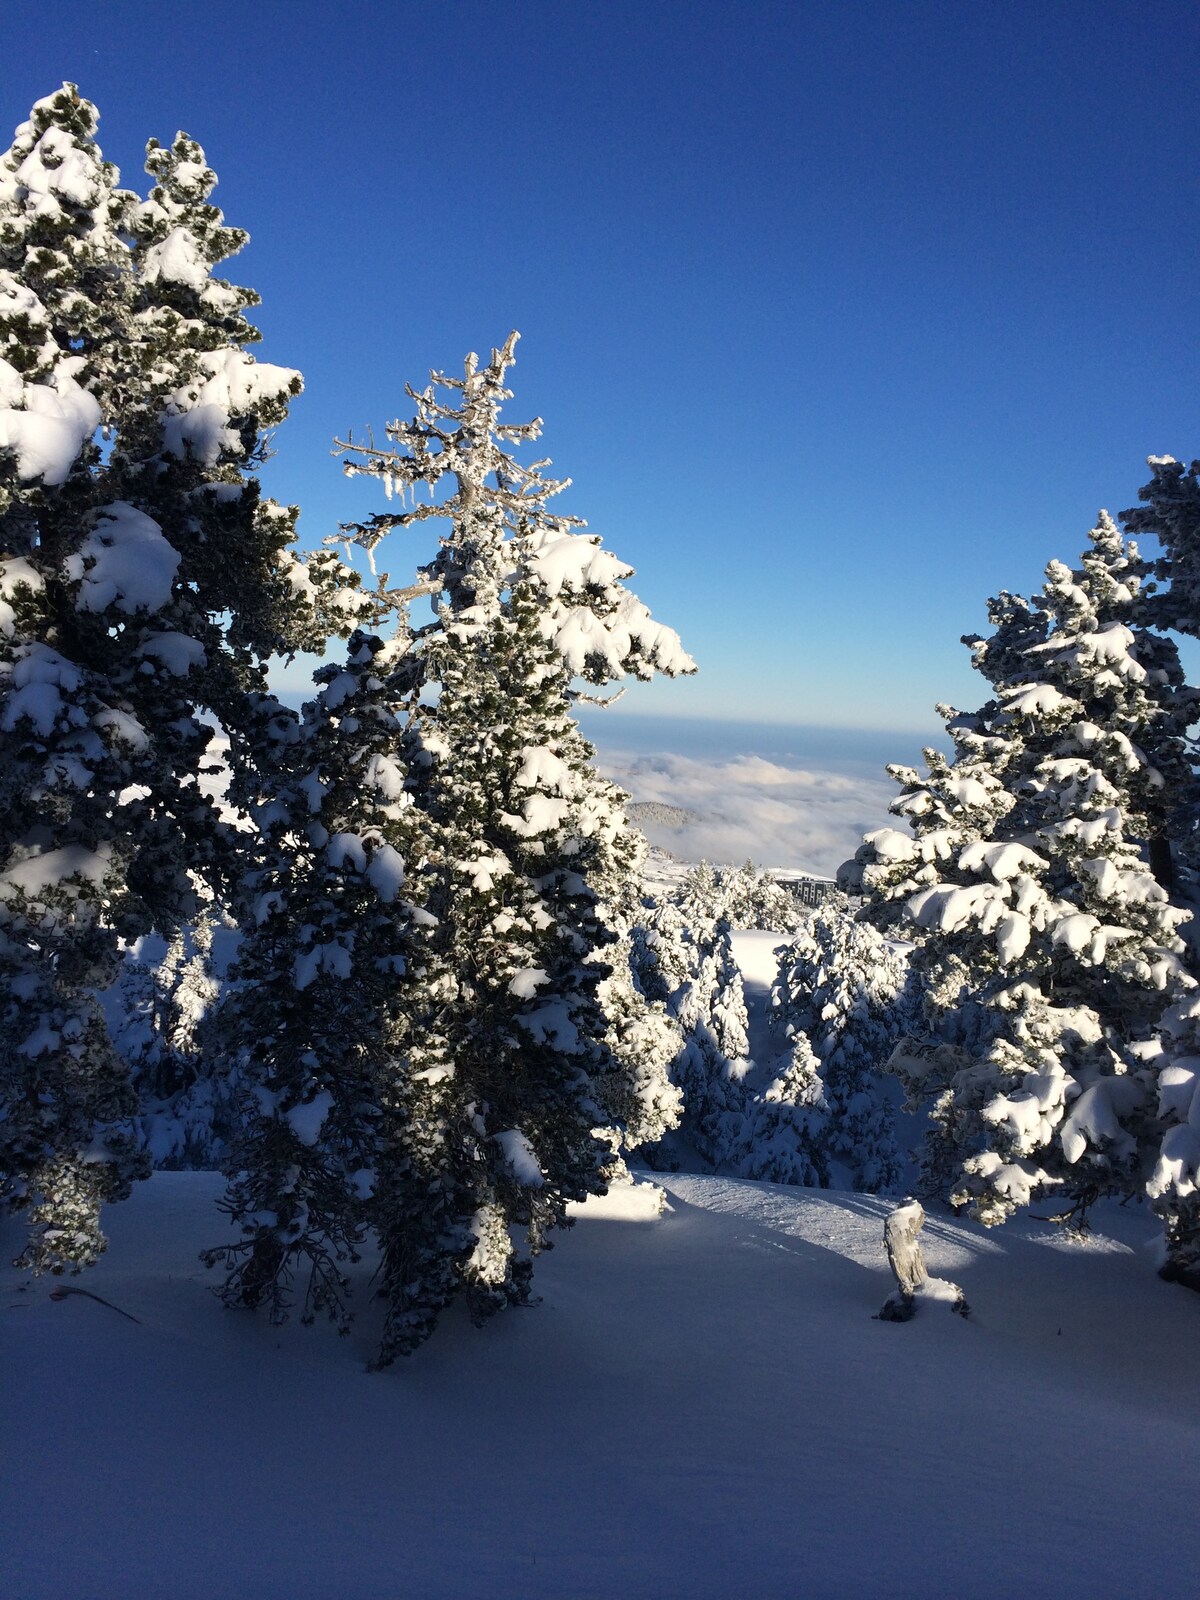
(702,1406)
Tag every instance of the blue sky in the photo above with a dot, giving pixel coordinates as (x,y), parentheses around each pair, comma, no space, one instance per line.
(841,317)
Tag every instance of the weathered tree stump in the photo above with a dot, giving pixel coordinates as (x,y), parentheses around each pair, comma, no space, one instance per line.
(908,1265)
(904,1248)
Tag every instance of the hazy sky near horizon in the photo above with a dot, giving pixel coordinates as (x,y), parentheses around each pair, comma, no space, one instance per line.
(840,317)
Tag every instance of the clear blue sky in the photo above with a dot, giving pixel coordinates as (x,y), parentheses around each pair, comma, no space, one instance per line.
(841,316)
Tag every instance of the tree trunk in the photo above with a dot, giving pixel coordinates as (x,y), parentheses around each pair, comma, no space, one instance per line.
(1161,864)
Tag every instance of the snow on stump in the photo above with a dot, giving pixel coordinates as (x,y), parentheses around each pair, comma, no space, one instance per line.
(913,1282)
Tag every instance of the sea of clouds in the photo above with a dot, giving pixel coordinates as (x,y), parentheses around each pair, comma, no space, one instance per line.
(809,818)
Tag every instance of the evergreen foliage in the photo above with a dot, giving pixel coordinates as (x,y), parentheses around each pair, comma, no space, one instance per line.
(1050,925)
(754,899)
(956,801)
(744,896)
(1174,1183)
(480,1095)
(318,1015)
(135,591)
(70,744)
(1170,510)
(185,1116)
(839,998)
(686,960)
(683,956)
(785,1137)
(453,1011)
(640,1100)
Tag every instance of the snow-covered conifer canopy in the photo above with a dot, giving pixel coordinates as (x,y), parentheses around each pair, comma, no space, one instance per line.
(456,450)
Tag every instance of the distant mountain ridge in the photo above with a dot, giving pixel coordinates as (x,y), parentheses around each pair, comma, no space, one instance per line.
(656,813)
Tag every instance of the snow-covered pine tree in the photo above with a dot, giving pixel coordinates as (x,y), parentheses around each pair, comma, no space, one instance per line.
(68,745)
(842,989)
(195,423)
(120,622)
(184,1112)
(744,896)
(1053,923)
(320,1004)
(523,929)
(63,281)
(1174,1183)
(952,805)
(641,1102)
(701,897)
(1170,510)
(191,426)
(523,839)
(955,801)
(752,898)
(785,1134)
(712,1012)
(686,960)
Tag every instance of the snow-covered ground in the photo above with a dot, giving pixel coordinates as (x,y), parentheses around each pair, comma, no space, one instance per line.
(754,952)
(702,1406)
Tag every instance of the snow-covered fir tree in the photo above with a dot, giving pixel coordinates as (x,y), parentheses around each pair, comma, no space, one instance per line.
(1171,513)
(191,426)
(785,1132)
(319,1008)
(1052,923)
(193,423)
(687,962)
(744,896)
(522,928)
(1170,510)
(1174,1183)
(701,897)
(641,1100)
(185,1115)
(717,1049)
(683,955)
(754,899)
(513,1121)
(958,800)
(133,596)
(839,1001)
(71,568)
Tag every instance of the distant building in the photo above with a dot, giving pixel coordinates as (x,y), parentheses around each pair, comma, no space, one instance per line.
(812,891)
(809,891)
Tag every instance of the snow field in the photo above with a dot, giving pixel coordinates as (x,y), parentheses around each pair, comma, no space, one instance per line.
(701,1407)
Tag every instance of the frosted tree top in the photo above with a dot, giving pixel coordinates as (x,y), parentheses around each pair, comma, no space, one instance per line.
(501,530)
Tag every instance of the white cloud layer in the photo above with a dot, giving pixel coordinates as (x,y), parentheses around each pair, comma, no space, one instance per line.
(805,818)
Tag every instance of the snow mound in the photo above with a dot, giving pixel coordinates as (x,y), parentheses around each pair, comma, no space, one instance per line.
(624,1202)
